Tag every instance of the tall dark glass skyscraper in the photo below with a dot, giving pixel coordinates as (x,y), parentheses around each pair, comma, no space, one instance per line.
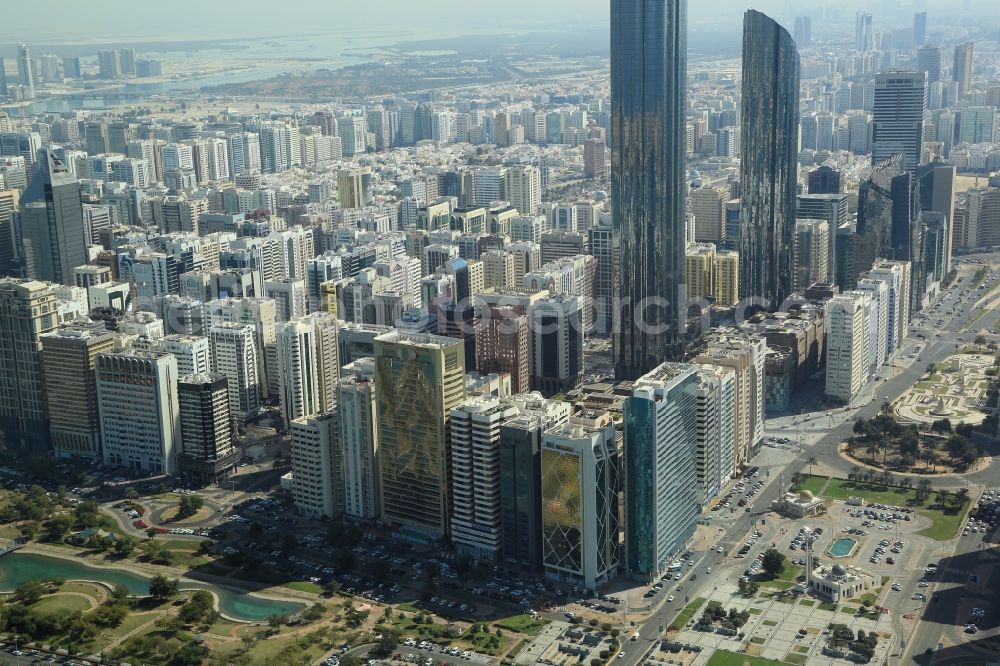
(769,139)
(52,223)
(648,179)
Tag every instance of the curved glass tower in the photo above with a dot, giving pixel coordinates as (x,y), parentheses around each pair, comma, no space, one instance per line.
(769,139)
(648,179)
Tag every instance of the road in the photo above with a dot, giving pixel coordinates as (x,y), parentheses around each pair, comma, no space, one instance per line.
(839,426)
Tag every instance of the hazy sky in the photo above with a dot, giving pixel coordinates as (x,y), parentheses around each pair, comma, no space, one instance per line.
(112,20)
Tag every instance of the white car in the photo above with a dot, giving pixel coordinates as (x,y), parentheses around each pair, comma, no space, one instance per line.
(670,598)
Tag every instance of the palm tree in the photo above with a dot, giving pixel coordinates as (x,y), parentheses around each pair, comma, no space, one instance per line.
(923,489)
(811,461)
(961,495)
(943,496)
(853,474)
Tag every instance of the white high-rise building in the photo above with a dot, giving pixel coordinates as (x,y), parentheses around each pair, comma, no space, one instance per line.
(474,448)
(896,275)
(746,356)
(489,186)
(714,458)
(218,159)
(193,353)
(177,157)
(289,298)
(140,415)
(877,320)
(307,363)
(523,186)
(359,447)
(316,465)
(235,355)
(847,345)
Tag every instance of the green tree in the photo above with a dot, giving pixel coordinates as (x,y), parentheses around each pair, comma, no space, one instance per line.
(88,514)
(387,643)
(190,655)
(162,588)
(57,528)
(189,505)
(124,546)
(316,611)
(774,562)
(199,608)
(29,592)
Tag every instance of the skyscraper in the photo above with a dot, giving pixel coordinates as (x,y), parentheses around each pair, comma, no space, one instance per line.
(661,503)
(581,482)
(474,452)
(864,40)
(420,379)
(649,180)
(68,358)
(898,117)
(929,60)
(768,165)
(52,223)
(24,74)
(803,31)
(140,416)
(207,453)
(27,310)
(919,28)
(961,71)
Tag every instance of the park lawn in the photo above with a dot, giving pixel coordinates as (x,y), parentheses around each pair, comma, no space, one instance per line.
(91,589)
(757,640)
(305,586)
(9,531)
(793,658)
(685,615)
(843,489)
(784,580)
(61,604)
(225,628)
(814,484)
(807,602)
(944,526)
(165,645)
(132,621)
(522,624)
(409,608)
(725,658)
(828,606)
(306,650)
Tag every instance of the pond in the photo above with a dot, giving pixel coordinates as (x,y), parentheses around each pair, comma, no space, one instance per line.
(18,567)
(842,547)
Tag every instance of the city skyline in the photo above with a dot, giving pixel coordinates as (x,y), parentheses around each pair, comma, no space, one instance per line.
(453,334)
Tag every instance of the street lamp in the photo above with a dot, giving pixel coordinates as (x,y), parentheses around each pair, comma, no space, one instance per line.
(809,534)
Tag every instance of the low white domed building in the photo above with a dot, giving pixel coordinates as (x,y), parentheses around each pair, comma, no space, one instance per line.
(799,505)
(839,582)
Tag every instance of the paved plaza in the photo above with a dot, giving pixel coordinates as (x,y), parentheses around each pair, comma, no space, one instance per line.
(955,391)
